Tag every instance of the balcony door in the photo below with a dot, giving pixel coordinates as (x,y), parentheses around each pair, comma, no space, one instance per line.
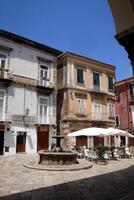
(44,76)
(97,110)
(2,64)
(96,82)
(43,110)
(81,141)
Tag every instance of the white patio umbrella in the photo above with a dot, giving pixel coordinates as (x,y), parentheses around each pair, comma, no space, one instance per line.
(93,131)
(114,131)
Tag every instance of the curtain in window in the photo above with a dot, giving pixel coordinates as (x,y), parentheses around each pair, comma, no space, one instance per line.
(97,109)
(81,108)
(111,110)
(43,110)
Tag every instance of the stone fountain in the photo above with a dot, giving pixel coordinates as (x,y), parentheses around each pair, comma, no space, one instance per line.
(57,156)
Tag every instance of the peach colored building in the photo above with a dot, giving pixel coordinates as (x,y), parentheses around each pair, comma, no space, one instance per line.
(124,107)
(85,95)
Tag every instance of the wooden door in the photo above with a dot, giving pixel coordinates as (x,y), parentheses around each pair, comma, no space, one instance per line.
(112,141)
(1,142)
(81,141)
(98,141)
(42,138)
(21,142)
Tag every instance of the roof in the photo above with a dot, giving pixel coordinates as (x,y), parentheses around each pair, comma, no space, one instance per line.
(86,59)
(31,43)
(124,81)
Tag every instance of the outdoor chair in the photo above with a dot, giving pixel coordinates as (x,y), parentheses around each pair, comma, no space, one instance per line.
(115,154)
(81,153)
(94,156)
(107,155)
(90,155)
(121,153)
(86,153)
(127,153)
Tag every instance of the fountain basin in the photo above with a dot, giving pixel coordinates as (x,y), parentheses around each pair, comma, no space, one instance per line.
(57,158)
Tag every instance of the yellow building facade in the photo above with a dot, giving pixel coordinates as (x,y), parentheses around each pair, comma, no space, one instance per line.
(85,93)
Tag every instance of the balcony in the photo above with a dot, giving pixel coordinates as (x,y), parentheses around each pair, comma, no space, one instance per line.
(49,86)
(47,120)
(6,75)
(98,117)
(97,89)
(111,116)
(24,119)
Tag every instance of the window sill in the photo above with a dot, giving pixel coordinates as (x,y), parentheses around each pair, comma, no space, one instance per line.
(111,90)
(111,117)
(81,114)
(80,84)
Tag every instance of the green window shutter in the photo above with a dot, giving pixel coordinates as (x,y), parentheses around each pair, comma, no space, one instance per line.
(80,77)
(96,79)
(132,88)
(110,83)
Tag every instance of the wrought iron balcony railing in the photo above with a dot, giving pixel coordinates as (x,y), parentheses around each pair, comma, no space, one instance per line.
(98,116)
(6,74)
(97,88)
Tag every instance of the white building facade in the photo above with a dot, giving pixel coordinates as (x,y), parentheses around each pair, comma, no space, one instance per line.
(28,76)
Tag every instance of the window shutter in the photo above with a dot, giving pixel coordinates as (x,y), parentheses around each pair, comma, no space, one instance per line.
(80,78)
(54,108)
(110,83)
(96,79)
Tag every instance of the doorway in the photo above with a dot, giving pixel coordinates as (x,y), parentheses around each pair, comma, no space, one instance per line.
(21,142)
(1,142)
(81,141)
(42,138)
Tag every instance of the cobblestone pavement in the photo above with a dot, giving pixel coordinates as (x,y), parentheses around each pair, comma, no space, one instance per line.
(110,182)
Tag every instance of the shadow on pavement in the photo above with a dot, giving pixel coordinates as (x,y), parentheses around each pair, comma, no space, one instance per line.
(117,185)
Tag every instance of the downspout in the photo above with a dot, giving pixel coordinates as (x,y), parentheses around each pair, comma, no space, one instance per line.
(127,107)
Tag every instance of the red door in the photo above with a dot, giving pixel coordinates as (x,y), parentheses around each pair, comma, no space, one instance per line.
(42,138)
(98,141)
(81,141)
(21,142)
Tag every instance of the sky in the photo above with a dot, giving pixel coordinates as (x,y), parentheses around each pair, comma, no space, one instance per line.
(84,27)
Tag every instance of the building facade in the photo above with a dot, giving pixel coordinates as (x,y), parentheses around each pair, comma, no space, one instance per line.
(85,95)
(124,106)
(28,76)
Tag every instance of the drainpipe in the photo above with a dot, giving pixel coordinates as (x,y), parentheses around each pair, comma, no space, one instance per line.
(127,106)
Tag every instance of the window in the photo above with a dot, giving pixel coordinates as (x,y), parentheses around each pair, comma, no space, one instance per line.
(96,81)
(2,94)
(110,83)
(132,91)
(80,76)
(97,110)
(2,63)
(44,76)
(117,123)
(81,106)
(43,110)
(111,110)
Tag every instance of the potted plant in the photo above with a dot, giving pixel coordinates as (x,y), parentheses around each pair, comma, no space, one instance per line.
(101,150)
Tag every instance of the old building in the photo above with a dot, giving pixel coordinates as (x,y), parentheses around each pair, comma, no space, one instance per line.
(28,75)
(85,95)
(124,106)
